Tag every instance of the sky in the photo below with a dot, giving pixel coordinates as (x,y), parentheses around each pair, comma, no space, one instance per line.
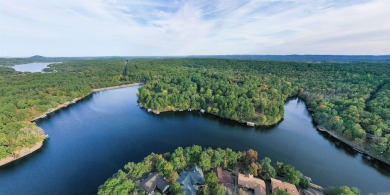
(193,27)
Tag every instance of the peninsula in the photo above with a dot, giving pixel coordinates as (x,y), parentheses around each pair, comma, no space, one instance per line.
(196,170)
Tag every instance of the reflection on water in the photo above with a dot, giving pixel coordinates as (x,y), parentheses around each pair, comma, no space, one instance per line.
(91,140)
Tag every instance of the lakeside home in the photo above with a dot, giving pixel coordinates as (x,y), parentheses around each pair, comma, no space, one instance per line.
(153,181)
(191,180)
(226,178)
(248,182)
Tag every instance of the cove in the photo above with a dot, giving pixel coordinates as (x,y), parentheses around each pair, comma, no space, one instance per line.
(92,139)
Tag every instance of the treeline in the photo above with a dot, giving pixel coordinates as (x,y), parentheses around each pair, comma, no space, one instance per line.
(169,165)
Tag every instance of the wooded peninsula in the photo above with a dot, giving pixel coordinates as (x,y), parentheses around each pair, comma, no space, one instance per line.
(349,99)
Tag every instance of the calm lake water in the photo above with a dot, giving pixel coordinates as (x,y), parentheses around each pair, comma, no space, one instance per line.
(33,67)
(91,140)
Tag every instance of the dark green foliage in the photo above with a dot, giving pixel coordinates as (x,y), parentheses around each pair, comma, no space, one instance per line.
(237,95)
(289,173)
(119,184)
(304,183)
(267,171)
(212,186)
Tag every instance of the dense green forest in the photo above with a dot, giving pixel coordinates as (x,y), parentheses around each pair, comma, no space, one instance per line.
(349,98)
(170,165)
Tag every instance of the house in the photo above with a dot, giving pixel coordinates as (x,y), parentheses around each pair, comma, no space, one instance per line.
(277,185)
(226,178)
(249,182)
(153,181)
(191,180)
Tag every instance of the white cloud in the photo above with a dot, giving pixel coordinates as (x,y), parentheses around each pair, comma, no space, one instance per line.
(193,27)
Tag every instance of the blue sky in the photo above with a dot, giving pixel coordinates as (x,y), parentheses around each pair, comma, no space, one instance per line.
(199,27)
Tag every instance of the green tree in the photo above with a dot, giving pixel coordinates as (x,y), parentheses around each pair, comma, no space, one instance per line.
(205,161)
(266,170)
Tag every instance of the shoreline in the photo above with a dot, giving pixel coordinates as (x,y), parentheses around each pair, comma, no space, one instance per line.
(247,123)
(21,153)
(75,100)
(357,148)
(28,150)
(318,127)
(116,87)
(342,139)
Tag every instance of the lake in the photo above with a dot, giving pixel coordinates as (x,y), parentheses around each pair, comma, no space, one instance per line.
(89,141)
(33,67)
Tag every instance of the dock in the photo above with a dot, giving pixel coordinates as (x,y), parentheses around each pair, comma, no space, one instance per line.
(251,124)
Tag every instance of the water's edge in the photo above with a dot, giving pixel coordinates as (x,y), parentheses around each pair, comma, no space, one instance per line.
(30,150)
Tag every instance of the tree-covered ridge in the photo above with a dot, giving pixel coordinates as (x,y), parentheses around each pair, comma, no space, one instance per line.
(169,165)
(347,98)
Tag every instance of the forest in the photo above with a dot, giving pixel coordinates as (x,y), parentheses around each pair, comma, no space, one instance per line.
(348,98)
(169,165)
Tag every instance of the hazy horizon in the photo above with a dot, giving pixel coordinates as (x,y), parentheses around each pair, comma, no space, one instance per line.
(186,56)
(182,28)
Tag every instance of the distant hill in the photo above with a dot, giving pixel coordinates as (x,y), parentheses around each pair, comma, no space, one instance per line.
(37,57)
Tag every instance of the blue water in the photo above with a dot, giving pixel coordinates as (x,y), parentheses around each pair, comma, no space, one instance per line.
(91,140)
(33,67)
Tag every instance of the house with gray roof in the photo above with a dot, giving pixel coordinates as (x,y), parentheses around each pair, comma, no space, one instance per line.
(191,180)
(153,181)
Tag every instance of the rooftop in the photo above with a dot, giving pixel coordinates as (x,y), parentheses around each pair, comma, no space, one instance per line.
(190,179)
(249,182)
(152,181)
(224,177)
(277,185)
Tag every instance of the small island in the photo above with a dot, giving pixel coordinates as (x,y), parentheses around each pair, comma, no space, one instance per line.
(197,170)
